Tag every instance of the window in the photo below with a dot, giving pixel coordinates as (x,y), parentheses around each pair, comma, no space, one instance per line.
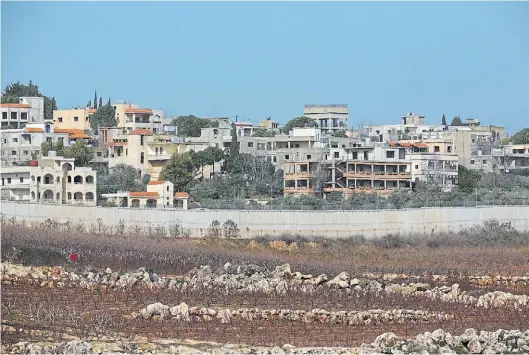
(355,155)
(416,166)
(24,116)
(250,144)
(309,156)
(26,152)
(59,119)
(13,115)
(436,149)
(287,157)
(8,180)
(168,189)
(336,155)
(390,154)
(87,119)
(142,158)
(21,180)
(472,162)
(141,140)
(76,119)
(15,140)
(98,154)
(296,145)
(484,161)
(449,149)
(4,115)
(275,159)
(13,152)
(5,141)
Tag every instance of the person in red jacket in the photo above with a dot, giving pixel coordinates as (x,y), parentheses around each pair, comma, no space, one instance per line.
(74,257)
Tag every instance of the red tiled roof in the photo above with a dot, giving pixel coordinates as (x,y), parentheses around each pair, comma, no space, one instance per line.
(68,130)
(182,195)
(144,194)
(16,105)
(79,136)
(34,130)
(139,110)
(141,132)
(156,182)
(91,110)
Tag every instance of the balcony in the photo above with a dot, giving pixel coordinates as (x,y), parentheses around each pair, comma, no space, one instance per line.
(163,156)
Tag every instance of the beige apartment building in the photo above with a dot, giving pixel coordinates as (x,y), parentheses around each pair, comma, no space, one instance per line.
(144,150)
(74,119)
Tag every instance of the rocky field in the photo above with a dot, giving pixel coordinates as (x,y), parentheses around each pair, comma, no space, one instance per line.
(226,297)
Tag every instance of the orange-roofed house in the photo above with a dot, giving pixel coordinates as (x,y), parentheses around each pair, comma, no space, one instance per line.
(159,194)
(24,144)
(14,115)
(132,116)
(164,188)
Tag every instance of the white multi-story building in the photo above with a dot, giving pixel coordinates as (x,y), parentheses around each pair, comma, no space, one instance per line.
(23,144)
(55,180)
(330,118)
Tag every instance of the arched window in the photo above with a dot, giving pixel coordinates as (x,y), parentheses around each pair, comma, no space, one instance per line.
(47,195)
(69,195)
(48,128)
(161,150)
(58,179)
(32,195)
(69,179)
(67,167)
(58,196)
(48,179)
(89,179)
(33,178)
(78,196)
(156,150)
(89,196)
(78,179)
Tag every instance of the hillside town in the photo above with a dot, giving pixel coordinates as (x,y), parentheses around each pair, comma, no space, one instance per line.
(120,153)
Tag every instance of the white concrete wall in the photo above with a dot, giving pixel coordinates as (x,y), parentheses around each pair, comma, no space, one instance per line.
(331,224)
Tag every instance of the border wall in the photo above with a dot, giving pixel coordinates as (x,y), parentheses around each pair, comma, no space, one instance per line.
(254,223)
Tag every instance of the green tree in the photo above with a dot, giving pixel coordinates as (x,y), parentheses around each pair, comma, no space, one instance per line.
(89,103)
(95,99)
(13,92)
(45,147)
(521,137)
(109,103)
(263,132)
(234,148)
(101,101)
(301,121)
(180,170)
(443,120)
(121,177)
(456,121)
(191,126)
(82,153)
(105,116)
(208,156)
(339,134)
(467,180)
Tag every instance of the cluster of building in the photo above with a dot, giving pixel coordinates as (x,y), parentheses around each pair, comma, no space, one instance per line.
(316,160)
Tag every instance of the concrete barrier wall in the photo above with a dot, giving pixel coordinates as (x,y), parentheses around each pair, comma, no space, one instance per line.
(331,224)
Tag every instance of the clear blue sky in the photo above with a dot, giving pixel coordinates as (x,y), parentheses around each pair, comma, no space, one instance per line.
(269,59)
